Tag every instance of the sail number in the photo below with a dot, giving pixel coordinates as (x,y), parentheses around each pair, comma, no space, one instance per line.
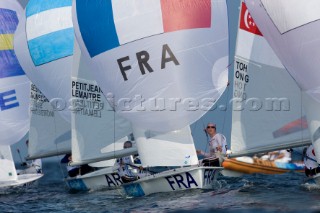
(8,100)
(180,182)
(143,58)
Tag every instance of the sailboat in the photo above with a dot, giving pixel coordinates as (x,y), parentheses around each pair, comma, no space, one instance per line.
(266,115)
(294,40)
(98,134)
(88,123)
(14,102)
(163,65)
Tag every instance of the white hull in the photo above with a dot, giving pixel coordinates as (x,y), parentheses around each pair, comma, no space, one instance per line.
(23,180)
(100,179)
(316,178)
(230,173)
(173,180)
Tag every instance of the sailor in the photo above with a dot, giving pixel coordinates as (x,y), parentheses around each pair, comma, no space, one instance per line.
(74,171)
(217,143)
(311,165)
(35,166)
(282,156)
(125,166)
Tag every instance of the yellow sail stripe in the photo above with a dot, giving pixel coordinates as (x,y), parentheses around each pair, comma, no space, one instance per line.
(6,41)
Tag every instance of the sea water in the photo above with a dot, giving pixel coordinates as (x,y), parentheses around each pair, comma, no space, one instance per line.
(250,193)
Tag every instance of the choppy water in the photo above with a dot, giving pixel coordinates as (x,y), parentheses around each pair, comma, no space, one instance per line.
(250,193)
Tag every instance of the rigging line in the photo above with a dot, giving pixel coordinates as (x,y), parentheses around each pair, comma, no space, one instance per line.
(20,155)
(114,134)
(204,129)
(301,123)
(227,99)
(226,104)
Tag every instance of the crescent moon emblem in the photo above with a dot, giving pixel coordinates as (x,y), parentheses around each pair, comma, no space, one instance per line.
(246,19)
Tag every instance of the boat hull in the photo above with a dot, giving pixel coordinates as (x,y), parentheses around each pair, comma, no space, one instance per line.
(173,180)
(100,179)
(22,181)
(261,166)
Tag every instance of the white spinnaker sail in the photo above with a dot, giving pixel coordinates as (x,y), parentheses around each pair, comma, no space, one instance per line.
(44,47)
(95,125)
(14,90)
(14,85)
(292,29)
(7,168)
(174,148)
(267,106)
(50,134)
(156,57)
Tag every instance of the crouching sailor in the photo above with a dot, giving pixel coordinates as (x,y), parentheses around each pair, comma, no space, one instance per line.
(74,171)
(311,165)
(126,168)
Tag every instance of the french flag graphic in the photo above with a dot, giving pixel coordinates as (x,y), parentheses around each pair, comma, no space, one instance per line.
(117,22)
(49,30)
(9,65)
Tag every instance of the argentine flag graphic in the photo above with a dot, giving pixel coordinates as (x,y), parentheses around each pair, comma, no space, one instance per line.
(44,47)
(49,39)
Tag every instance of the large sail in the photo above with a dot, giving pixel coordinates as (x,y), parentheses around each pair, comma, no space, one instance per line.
(14,90)
(14,85)
(174,148)
(161,62)
(44,47)
(50,134)
(292,29)
(267,103)
(95,126)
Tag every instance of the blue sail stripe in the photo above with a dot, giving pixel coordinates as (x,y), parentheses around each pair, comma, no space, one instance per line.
(51,46)
(9,64)
(97,28)
(8,21)
(36,6)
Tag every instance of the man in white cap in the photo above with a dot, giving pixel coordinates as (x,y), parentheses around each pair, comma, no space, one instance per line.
(217,143)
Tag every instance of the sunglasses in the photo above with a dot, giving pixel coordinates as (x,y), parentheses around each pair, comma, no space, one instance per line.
(212,127)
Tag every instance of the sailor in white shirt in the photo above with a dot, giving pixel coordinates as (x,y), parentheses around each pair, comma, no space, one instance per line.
(126,168)
(311,165)
(217,143)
